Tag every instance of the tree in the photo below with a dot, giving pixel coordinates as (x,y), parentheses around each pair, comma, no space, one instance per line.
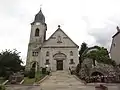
(82,49)
(95,53)
(10,61)
(99,54)
(93,56)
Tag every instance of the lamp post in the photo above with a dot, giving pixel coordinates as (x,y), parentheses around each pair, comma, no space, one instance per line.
(47,68)
(46,65)
(36,67)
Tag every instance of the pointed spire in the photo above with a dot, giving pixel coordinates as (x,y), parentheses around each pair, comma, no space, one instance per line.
(39,17)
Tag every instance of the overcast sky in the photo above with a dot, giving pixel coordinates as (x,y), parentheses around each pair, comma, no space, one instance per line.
(90,21)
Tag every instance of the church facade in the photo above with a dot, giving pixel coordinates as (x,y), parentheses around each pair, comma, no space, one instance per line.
(58,52)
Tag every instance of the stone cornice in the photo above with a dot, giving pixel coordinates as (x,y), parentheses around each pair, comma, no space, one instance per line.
(59,47)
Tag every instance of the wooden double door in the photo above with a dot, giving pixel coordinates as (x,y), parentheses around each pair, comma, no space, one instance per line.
(59,65)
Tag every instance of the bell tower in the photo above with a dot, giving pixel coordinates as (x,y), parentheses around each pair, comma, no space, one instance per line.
(38,29)
(37,38)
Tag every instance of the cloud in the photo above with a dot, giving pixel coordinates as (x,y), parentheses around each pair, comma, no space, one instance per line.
(90,21)
(9,7)
(104,32)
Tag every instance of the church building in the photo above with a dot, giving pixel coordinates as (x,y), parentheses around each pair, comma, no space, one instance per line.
(58,52)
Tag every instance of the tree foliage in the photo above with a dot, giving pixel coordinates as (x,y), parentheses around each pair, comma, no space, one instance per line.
(95,53)
(99,54)
(10,61)
(82,49)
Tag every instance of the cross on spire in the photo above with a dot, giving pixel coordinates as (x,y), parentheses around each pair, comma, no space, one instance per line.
(118,29)
(40,6)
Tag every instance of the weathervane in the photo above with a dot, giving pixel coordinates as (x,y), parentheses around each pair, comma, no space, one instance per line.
(40,6)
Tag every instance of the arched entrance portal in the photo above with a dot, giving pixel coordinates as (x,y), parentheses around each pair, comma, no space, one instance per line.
(59,57)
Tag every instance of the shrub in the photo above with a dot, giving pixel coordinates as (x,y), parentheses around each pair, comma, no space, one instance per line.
(43,70)
(78,69)
(2,87)
(32,73)
(26,73)
(8,73)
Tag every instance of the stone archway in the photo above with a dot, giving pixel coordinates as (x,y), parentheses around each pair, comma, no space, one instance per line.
(96,74)
(98,71)
(59,57)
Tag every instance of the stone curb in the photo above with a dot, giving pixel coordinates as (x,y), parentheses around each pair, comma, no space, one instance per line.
(94,84)
(5,82)
(35,84)
(108,84)
(42,79)
(21,85)
(78,79)
(22,81)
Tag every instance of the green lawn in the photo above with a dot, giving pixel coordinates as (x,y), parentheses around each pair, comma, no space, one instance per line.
(38,77)
(29,80)
(1,80)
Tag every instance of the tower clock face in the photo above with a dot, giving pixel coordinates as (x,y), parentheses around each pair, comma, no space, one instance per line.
(37,23)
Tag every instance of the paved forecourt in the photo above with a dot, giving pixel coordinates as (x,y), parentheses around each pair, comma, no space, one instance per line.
(22,87)
(62,80)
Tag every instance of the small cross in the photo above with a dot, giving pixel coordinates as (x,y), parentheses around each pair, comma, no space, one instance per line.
(118,28)
(40,6)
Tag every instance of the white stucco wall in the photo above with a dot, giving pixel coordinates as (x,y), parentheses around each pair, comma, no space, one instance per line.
(115,49)
(34,42)
(53,51)
(65,46)
(66,41)
(33,38)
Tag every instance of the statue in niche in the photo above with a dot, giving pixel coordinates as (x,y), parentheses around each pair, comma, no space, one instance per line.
(59,39)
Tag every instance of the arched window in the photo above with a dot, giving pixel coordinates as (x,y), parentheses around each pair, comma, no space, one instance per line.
(34,53)
(37,32)
(47,53)
(72,61)
(71,53)
(47,62)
